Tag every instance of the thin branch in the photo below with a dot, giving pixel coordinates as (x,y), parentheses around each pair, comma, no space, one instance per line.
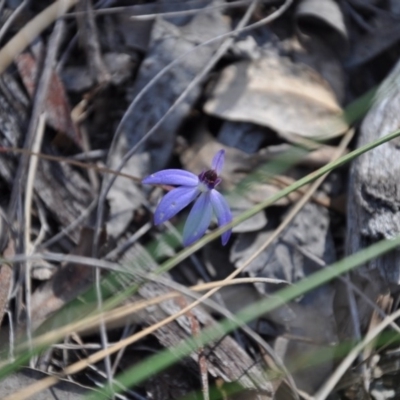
(12,18)
(30,180)
(31,31)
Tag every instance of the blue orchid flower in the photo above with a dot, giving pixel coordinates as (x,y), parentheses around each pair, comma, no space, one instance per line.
(192,187)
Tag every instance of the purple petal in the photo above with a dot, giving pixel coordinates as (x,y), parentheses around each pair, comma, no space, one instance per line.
(198,220)
(223,213)
(173,202)
(218,161)
(172,177)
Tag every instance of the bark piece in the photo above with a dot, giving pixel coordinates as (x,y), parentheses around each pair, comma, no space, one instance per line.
(225,358)
(374,205)
(58,110)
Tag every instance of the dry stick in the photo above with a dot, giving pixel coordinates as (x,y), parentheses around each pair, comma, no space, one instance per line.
(145,17)
(128,331)
(17,189)
(70,161)
(61,258)
(102,327)
(28,207)
(123,312)
(88,35)
(93,177)
(115,267)
(65,231)
(31,30)
(326,389)
(89,38)
(120,249)
(12,18)
(44,226)
(88,30)
(41,93)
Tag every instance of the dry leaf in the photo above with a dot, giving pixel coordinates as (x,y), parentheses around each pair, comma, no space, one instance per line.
(322,20)
(56,104)
(274,92)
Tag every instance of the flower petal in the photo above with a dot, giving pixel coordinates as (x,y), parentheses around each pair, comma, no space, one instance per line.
(173,202)
(198,220)
(223,213)
(172,177)
(218,161)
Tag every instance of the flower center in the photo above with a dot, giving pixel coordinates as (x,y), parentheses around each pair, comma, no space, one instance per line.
(209,178)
